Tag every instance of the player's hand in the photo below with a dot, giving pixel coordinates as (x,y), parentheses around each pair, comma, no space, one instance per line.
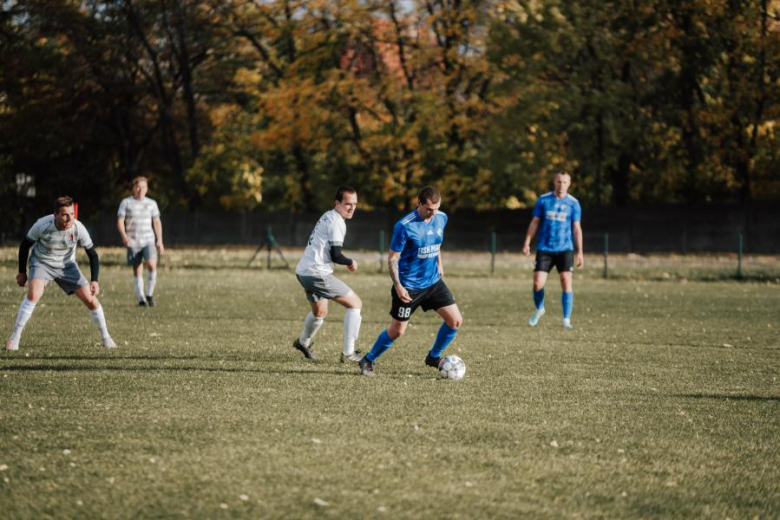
(160,246)
(125,241)
(527,250)
(402,293)
(580,260)
(353,266)
(94,288)
(21,279)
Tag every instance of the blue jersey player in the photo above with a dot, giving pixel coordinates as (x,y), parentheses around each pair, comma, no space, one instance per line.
(557,216)
(416,271)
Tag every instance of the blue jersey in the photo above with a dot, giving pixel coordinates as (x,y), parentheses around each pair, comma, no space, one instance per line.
(419,243)
(556,219)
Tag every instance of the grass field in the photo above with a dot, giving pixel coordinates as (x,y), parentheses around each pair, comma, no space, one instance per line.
(663,402)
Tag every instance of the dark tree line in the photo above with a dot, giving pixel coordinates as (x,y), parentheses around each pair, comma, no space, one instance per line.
(268,105)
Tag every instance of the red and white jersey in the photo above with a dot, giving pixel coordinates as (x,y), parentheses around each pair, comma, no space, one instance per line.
(57,247)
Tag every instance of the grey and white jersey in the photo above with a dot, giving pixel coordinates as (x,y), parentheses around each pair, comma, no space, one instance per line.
(57,247)
(329,231)
(138,216)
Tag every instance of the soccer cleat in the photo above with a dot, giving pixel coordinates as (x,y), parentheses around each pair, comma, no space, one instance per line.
(366,367)
(355,357)
(108,342)
(305,350)
(432,361)
(142,303)
(567,323)
(535,317)
(12,344)
(150,301)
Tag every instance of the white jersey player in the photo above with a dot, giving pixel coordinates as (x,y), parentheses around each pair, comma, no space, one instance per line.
(315,274)
(139,225)
(53,240)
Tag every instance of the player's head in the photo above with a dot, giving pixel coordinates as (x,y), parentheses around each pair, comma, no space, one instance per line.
(64,213)
(140,187)
(428,202)
(561,183)
(345,201)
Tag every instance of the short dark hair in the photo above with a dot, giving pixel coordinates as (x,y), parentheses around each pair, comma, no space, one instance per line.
(341,190)
(429,193)
(140,178)
(62,202)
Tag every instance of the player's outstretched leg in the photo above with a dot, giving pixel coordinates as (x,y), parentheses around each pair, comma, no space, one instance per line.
(452,322)
(567,300)
(26,309)
(352,321)
(382,343)
(311,325)
(539,304)
(99,319)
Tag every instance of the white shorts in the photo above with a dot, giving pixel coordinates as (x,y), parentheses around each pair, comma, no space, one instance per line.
(325,288)
(69,278)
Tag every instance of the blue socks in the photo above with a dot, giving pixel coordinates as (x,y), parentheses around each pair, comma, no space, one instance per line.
(443,338)
(539,299)
(383,342)
(567,300)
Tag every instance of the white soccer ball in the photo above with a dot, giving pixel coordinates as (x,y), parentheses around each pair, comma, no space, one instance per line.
(452,367)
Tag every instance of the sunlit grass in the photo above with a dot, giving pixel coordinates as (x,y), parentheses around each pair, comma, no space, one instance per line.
(662,402)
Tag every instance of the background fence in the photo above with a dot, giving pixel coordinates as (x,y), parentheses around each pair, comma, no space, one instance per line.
(662,229)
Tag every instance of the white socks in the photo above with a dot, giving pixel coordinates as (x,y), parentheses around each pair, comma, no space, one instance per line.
(100,320)
(151,281)
(26,309)
(352,321)
(139,288)
(310,327)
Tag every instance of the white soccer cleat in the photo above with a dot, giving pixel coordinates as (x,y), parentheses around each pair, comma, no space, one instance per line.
(355,357)
(535,317)
(109,343)
(12,344)
(567,324)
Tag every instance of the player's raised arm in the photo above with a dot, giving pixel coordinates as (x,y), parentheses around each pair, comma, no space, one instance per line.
(529,235)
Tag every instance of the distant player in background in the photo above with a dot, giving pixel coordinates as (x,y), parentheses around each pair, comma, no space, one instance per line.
(53,240)
(140,227)
(315,274)
(559,215)
(416,270)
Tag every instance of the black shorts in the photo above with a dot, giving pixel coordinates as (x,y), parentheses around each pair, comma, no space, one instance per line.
(563,261)
(434,297)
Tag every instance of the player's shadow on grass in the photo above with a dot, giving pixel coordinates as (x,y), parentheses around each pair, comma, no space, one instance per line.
(730,397)
(86,368)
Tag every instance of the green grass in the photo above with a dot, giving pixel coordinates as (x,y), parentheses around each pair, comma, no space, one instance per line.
(662,402)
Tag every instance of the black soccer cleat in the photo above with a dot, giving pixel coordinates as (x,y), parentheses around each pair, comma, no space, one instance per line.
(366,367)
(150,301)
(142,303)
(432,361)
(306,351)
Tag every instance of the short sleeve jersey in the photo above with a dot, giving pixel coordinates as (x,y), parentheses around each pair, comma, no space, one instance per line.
(138,215)
(329,231)
(57,247)
(419,243)
(556,217)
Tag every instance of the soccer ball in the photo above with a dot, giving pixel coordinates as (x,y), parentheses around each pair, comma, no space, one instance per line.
(452,367)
